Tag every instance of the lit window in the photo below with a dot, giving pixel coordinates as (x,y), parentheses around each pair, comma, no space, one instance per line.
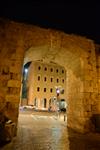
(38,89)
(45,78)
(44,89)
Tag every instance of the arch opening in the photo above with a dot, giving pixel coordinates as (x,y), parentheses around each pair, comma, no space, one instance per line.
(72,62)
(76,54)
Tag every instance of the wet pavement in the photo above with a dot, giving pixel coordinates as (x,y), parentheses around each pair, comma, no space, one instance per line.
(48,131)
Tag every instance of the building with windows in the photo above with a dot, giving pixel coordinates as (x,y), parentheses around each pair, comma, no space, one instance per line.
(46,84)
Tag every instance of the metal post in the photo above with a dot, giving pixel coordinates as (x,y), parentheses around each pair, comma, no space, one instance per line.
(64,117)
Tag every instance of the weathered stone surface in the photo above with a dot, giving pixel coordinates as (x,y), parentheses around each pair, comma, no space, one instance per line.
(20,43)
(14,83)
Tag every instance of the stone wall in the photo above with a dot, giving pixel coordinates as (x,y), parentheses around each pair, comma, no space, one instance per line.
(11,61)
(98,73)
(20,43)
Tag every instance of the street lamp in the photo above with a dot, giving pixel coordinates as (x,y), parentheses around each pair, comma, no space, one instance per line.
(25,75)
(57,97)
(26,70)
(58,91)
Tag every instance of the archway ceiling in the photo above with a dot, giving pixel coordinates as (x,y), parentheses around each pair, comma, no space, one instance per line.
(68,58)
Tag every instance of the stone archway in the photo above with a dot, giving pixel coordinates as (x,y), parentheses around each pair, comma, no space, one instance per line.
(75,53)
(76,59)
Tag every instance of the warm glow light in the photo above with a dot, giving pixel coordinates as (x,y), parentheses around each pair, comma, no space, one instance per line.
(58,91)
(26,70)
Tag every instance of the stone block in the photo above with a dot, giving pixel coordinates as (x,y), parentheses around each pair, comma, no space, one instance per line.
(13,90)
(15,69)
(12,98)
(86,114)
(88,86)
(14,83)
(94,108)
(87,108)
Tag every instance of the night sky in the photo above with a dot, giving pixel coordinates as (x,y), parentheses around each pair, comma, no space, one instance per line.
(78,18)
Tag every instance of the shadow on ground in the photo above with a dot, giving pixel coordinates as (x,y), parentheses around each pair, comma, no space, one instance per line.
(78,141)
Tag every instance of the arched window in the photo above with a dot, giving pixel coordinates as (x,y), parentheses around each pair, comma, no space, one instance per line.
(51,79)
(57,70)
(45,68)
(51,90)
(62,71)
(39,68)
(57,80)
(38,78)
(38,89)
(62,80)
(51,69)
(45,102)
(44,89)
(36,102)
(50,101)
(45,79)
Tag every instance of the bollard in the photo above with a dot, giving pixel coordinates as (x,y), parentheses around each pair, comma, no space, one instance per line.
(64,117)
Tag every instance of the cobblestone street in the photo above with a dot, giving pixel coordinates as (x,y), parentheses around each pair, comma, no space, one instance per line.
(47,131)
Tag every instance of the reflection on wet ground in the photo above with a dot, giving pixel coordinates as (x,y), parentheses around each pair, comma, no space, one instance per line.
(47,131)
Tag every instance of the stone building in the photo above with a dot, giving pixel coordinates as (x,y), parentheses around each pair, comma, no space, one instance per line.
(80,56)
(43,82)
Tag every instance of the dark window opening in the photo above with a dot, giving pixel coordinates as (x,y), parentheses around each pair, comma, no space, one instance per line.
(51,79)
(57,80)
(39,68)
(45,69)
(57,70)
(62,80)
(38,78)
(44,89)
(62,91)
(51,69)
(38,89)
(45,79)
(51,90)
(62,71)
(45,102)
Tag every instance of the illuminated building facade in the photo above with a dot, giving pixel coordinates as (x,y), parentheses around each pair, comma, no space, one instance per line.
(46,84)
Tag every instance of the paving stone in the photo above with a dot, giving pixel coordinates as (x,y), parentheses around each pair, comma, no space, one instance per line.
(46,133)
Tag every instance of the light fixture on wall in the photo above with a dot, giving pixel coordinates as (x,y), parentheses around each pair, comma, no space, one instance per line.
(26,70)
